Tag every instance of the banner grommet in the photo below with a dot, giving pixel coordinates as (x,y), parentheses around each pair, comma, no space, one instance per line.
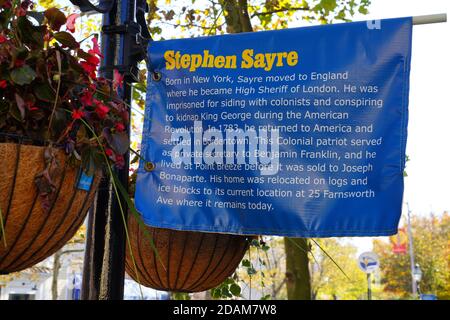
(156,76)
(149,166)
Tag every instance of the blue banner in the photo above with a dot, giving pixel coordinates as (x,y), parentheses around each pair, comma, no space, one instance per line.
(298,132)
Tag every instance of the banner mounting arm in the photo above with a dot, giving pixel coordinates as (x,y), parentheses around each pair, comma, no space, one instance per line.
(429,19)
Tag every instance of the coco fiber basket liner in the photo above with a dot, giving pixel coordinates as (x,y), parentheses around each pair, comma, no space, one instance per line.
(191,261)
(32,233)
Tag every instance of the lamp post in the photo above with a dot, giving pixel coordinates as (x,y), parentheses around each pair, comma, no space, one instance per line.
(124,40)
(417,274)
(411,252)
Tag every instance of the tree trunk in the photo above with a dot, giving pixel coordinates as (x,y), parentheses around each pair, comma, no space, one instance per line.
(297,270)
(56,267)
(236,15)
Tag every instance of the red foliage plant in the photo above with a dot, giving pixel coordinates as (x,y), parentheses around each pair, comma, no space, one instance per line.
(49,90)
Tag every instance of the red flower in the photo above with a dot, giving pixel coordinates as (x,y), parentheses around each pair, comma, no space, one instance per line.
(70,23)
(19,63)
(31,106)
(21,12)
(120,161)
(109,152)
(93,59)
(86,99)
(3,39)
(3,84)
(26,4)
(93,86)
(91,64)
(96,48)
(119,126)
(117,80)
(89,68)
(7,4)
(77,114)
(47,37)
(101,110)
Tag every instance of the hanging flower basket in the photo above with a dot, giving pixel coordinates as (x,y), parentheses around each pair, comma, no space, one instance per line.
(185,261)
(32,232)
(58,122)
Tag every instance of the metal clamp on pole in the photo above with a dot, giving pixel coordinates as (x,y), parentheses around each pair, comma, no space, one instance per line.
(134,33)
(134,48)
(135,38)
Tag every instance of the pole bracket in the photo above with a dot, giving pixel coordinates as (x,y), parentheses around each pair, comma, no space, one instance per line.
(134,39)
(134,47)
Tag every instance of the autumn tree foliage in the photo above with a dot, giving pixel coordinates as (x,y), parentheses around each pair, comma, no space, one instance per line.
(432,251)
(328,281)
(211,17)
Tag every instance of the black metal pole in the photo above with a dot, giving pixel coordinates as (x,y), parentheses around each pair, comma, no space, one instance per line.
(104,266)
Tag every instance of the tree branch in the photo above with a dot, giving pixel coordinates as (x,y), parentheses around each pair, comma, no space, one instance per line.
(278,288)
(71,251)
(244,16)
(265,13)
(192,25)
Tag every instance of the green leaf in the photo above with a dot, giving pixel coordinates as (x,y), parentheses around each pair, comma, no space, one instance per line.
(44,92)
(328,5)
(55,18)
(59,125)
(66,39)
(235,290)
(215,293)
(251,271)
(181,296)
(341,15)
(363,10)
(23,75)
(30,34)
(83,54)
(246,263)
(15,112)
(226,293)
(38,16)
